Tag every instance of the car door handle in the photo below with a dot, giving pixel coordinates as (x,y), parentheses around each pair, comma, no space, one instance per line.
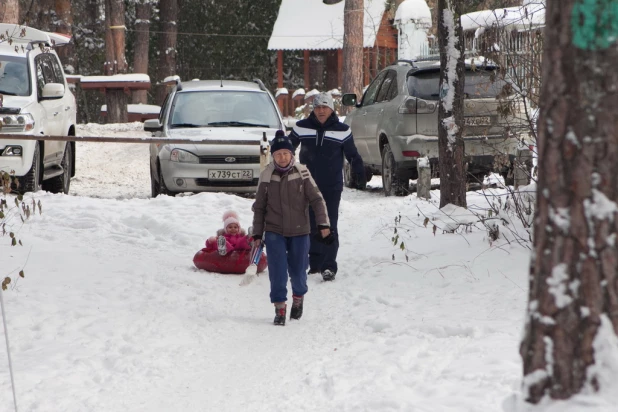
(66,109)
(364,114)
(55,113)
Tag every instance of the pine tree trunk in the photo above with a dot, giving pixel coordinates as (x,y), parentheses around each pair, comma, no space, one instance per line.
(9,11)
(573,272)
(168,12)
(63,24)
(450,113)
(115,62)
(142,35)
(353,47)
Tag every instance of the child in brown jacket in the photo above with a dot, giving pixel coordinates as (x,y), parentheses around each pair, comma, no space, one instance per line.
(281,213)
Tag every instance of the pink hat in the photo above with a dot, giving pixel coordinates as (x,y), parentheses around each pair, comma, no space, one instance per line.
(230,217)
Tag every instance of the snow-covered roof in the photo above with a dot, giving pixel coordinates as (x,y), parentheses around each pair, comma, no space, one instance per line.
(130,77)
(139,108)
(313,25)
(415,10)
(519,17)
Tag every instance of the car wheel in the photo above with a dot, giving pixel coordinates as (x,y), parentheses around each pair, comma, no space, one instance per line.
(154,185)
(61,183)
(31,182)
(393,185)
(348,178)
(162,188)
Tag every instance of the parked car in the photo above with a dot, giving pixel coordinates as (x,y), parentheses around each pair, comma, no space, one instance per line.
(35,100)
(396,123)
(231,111)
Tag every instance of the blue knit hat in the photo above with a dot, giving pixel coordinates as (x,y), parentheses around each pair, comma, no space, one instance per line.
(281,141)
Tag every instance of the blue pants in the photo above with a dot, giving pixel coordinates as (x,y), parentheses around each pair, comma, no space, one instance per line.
(321,256)
(286,255)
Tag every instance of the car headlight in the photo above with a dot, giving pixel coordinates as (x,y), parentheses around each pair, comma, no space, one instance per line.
(12,150)
(16,122)
(183,156)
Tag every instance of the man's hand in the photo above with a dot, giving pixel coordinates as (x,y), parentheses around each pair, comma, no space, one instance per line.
(325,232)
(257,242)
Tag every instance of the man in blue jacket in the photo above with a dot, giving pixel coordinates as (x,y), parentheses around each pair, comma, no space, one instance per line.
(324,142)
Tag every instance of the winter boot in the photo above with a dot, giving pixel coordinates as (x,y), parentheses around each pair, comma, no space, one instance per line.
(297,307)
(280,312)
(221,245)
(328,275)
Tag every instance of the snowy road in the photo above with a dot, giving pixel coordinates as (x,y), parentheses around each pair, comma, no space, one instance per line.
(112,315)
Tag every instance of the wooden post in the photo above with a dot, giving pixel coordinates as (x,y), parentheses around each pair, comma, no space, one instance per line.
(306,56)
(279,69)
(340,68)
(423,183)
(521,172)
(366,66)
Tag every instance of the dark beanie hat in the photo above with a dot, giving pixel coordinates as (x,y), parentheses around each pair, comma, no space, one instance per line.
(281,141)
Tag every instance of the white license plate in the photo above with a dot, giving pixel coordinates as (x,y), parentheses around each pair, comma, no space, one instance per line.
(477,121)
(230,174)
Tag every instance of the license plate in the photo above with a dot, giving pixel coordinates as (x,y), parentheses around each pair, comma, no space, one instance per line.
(230,174)
(477,121)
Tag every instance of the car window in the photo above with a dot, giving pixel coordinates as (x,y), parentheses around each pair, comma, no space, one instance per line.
(383,94)
(58,73)
(478,84)
(44,72)
(223,109)
(14,79)
(372,90)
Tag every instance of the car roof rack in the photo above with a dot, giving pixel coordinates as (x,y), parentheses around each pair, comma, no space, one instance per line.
(410,62)
(260,83)
(173,80)
(30,36)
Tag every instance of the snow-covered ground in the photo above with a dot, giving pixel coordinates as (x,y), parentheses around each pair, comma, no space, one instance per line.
(112,315)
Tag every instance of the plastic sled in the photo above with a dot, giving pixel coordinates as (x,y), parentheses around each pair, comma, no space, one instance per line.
(235,262)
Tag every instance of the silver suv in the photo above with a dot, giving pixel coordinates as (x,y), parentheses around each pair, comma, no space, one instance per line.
(396,123)
(35,100)
(228,111)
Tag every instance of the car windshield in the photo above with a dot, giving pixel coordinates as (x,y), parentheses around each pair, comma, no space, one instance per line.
(479,84)
(223,109)
(14,79)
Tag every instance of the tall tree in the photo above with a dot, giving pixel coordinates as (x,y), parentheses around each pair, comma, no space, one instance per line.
(450,112)
(143,11)
(573,296)
(9,11)
(63,23)
(353,20)
(168,12)
(115,61)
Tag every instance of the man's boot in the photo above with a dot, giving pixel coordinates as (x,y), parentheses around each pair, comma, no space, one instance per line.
(328,275)
(280,312)
(297,307)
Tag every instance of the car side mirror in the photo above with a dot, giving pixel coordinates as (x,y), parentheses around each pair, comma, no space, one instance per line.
(152,125)
(349,99)
(52,91)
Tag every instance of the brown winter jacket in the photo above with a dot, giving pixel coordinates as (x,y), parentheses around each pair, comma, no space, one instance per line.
(282,202)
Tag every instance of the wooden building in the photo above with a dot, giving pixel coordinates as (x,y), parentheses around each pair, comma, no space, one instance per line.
(314,31)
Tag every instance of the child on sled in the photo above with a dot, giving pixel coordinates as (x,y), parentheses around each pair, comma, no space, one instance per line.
(232,237)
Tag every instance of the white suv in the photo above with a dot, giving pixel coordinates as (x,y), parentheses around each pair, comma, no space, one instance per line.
(35,100)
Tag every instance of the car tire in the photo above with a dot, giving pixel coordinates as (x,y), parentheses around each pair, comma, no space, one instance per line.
(62,183)
(162,188)
(393,185)
(31,181)
(154,185)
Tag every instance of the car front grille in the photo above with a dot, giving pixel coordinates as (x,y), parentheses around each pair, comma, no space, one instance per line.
(237,159)
(226,183)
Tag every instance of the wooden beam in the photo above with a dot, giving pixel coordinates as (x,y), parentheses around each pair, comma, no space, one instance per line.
(120,139)
(306,56)
(115,85)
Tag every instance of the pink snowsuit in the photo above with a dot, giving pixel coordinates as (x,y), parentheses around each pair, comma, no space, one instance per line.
(238,241)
